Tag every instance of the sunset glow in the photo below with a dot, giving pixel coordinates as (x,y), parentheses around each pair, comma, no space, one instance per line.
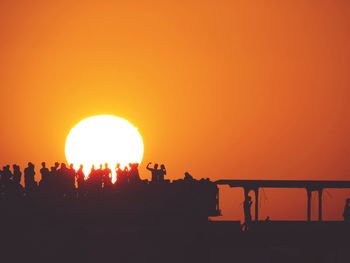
(103,139)
(221,89)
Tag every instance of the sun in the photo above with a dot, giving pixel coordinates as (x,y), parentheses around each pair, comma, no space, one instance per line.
(103,139)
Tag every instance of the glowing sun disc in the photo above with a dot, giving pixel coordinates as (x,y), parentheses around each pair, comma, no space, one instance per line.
(103,139)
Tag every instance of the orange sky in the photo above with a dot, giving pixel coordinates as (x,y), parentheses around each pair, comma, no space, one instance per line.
(223,89)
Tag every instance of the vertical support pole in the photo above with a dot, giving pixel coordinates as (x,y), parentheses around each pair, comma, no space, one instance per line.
(256,191)
(246,192)
(218,200)
(320,204)
(308,204)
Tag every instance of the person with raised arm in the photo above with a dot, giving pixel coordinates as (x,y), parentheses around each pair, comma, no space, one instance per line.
(154,171)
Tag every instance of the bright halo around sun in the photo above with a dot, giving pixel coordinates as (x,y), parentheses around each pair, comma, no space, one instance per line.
(103,139)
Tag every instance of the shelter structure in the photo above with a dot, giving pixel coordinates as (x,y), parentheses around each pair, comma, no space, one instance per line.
(309,185)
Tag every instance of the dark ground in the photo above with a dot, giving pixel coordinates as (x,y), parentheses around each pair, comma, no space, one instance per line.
(65,241)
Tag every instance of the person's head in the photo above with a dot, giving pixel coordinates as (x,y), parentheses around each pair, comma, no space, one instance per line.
(101,166)
(162,166)
(81,166)
(188,175)
(57,164)
(63,165)
(155,166)
(106,165)
(71,166)
(43,164)
(93,167)
(118,165)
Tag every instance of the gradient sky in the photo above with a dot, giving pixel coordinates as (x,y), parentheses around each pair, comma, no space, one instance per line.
(222,89)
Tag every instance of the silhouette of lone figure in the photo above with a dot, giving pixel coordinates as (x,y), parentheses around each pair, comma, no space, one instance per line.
(247,212)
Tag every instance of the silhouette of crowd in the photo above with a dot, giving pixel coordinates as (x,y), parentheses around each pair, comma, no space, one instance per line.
(64,180)
(61,180)
(60,191)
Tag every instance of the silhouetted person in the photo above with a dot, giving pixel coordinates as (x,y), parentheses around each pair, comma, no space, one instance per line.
(118,172)
(6,176)
(53,181)
(94,181)
(188,177)
(16,187)
(247,204)
(346,213)
(125,174)
(54,172)
(29,180)
(107,177)
(61,179)
(16,174)
(134,175)
(161,173)
(92,172)
(122,175)
(71,173)
(54,169)
(81,180)
(154,171)
(99,177)
(45,173)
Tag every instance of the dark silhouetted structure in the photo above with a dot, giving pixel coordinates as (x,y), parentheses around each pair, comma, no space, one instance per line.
(346,213)
(69,217)
(308,185)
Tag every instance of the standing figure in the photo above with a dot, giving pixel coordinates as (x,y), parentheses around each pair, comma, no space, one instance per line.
(6,176)
(29,181)
(99,177)
(16,174)
(107,177)
(93,180)
(62,179)
(122,175)
(154,171)
(16,180)
(45,173)
(118,172)
(134,175)
(81,180)
(71,179)
(247,204)
(346,213)
(161,173)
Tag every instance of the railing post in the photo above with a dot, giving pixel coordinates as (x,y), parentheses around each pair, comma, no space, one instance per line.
(320,204)
(308,204)
(256,191)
